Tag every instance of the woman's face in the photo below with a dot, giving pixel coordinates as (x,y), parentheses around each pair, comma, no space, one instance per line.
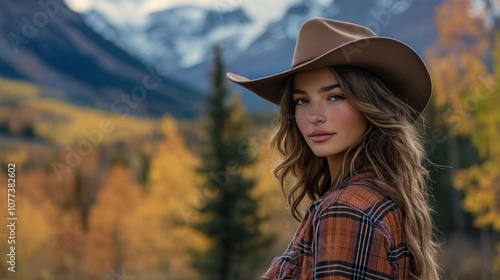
(329,124)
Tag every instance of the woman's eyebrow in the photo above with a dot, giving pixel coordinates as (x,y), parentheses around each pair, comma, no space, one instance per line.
(298,91)
(328,88)
(322,89)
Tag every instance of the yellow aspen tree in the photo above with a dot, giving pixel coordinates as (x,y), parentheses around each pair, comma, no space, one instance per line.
(456,63)
(481,182)
(47,242)
(272,201)
(107,246)
(163,240)
(60,241)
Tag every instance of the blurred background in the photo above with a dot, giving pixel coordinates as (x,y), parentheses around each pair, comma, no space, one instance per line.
(135,159)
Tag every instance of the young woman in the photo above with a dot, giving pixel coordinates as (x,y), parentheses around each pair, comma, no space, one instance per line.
(347,133)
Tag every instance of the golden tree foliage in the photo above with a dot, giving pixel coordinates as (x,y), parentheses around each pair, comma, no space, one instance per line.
(67,245)
(272,201)
(456,61)
(483,194)
(163,240)
(72,122)
(64,123)
(108,247)
(466,97)
(481,182)
(44,216)
(145,231)
(46,238)
(10,88)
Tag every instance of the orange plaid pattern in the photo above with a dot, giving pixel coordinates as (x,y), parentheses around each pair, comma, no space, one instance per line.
(354,232)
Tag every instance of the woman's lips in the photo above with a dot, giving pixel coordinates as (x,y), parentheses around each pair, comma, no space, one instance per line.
(320,136)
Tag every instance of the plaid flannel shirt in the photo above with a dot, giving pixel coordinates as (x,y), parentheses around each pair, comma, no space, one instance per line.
(354,232)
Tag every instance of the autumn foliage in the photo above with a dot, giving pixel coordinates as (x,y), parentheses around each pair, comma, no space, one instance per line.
(126,204)
(466,98)
(125,208)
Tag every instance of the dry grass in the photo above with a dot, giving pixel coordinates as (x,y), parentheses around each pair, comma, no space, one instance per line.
(468,259)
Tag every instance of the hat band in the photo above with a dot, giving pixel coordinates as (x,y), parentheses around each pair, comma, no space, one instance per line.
(302,62)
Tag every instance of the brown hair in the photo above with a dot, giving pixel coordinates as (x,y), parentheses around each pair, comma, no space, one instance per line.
(391,149)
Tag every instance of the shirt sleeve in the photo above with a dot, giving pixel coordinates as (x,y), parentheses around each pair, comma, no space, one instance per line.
(348,244)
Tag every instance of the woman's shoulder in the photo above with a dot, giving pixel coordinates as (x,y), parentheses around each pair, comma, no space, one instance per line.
(362,196)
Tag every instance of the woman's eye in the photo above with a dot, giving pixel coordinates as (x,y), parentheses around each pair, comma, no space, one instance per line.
(336,97)
(300,101)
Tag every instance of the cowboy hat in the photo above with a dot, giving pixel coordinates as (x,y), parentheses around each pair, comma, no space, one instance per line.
(324,42)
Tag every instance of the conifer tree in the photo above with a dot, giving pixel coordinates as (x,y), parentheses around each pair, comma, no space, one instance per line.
(229,212)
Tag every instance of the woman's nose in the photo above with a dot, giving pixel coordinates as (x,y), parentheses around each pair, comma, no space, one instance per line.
(316,113)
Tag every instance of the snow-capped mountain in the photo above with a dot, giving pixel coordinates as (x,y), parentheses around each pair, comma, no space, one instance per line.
(255,43)
(183,36)
(68,60)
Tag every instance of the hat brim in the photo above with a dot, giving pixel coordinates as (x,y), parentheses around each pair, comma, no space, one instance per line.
(398,65)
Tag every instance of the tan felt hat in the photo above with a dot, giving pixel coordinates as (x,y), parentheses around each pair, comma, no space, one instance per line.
(324,42)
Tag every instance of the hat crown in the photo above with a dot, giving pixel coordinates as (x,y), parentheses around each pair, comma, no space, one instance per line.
(318,36)
(326,43)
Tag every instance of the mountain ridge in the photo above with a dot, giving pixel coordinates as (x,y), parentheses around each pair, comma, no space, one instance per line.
(183,42)
(62,52)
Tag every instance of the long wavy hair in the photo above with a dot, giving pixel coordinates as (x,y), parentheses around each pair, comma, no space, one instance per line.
(391,149)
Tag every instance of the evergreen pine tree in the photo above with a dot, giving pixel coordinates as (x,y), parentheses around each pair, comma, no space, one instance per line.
(229,214)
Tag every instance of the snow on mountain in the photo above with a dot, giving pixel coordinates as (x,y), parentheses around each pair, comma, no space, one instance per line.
(257,36)
(189,32)
(180,35)
(69,61)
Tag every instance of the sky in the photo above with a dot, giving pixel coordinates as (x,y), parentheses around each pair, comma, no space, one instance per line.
(147,5)
(115,9)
